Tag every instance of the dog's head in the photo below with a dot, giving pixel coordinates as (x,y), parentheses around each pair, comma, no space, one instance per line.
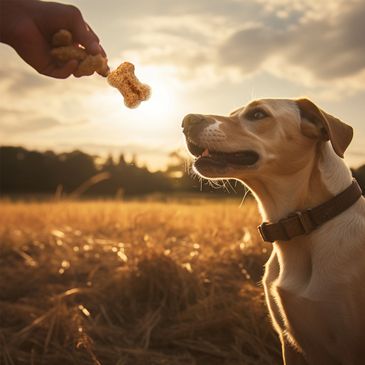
(268,136)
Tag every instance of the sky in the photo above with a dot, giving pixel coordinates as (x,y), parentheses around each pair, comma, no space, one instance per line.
(198,56)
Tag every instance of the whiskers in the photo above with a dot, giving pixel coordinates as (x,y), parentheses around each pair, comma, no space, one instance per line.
(228,185)
(246,192)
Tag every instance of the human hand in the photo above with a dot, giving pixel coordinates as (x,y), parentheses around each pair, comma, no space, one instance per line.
(28,27)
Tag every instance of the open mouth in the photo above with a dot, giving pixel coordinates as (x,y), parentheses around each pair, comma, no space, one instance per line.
(221,159)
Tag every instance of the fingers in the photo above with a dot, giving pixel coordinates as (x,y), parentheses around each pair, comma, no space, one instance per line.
(84,35)
(34,50)
(101,48)
(60,16)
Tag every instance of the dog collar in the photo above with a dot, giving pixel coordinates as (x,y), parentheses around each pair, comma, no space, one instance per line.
(305,221)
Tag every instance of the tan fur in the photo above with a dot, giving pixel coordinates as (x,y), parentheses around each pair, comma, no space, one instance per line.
(314,284)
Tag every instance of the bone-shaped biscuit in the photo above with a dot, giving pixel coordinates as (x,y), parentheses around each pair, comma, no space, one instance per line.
(92,63)
(124,79)
(62,38)
(66,53)
(64,50)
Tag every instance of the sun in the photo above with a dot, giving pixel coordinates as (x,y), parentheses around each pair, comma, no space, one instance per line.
(164,91)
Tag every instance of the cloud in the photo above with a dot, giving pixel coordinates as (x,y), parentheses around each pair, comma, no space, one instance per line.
(314,44)
(20,124)
(19,82)
(178,40)
(328,48)
(17,78)
(135,9)
(24,82)
(17,121)
(302,40)
(249,48)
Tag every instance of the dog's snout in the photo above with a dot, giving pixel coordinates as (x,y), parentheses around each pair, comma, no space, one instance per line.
(192,119)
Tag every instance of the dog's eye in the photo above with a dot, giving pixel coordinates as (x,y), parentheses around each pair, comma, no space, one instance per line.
(256,114)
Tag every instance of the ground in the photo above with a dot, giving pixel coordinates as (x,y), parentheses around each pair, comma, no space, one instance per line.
(132,283)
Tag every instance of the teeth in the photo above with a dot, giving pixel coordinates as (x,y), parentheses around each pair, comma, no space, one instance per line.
(205,153)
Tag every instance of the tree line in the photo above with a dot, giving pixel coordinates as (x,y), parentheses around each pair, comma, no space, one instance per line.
(77,173)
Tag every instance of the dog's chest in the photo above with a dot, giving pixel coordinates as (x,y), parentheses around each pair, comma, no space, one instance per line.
(326,319)
(299,315)
(293,311)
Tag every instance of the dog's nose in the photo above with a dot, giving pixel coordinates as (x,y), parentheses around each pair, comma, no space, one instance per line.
(191,119)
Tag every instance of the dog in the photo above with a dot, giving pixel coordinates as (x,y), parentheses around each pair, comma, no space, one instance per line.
(290,155)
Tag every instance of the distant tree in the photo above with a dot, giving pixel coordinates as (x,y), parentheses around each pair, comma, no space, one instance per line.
(22,170)
(122,161)
(75,168)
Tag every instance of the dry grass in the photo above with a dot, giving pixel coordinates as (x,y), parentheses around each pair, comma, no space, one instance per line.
(132,283)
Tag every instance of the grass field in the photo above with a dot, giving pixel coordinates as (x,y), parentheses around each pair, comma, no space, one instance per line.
(133,283)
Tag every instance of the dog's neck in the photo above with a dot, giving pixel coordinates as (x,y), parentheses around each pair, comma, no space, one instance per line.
(319,180)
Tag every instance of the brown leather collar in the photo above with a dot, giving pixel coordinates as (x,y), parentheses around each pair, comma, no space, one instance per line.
(306,221)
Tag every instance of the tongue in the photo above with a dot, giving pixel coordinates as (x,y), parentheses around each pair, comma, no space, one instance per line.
(205,153)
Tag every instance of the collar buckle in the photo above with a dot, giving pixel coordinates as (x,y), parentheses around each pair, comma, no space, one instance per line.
(304,219)
(263,232)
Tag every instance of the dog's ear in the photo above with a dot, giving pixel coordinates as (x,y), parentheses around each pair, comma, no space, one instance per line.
(318,124)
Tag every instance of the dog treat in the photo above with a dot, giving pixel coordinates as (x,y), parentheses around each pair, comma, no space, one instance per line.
(68,53)
(92,63)
(64,50)
(62,38)
(124,79)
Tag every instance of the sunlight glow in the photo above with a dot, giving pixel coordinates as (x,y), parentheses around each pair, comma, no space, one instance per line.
(156,113)
(163,98)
